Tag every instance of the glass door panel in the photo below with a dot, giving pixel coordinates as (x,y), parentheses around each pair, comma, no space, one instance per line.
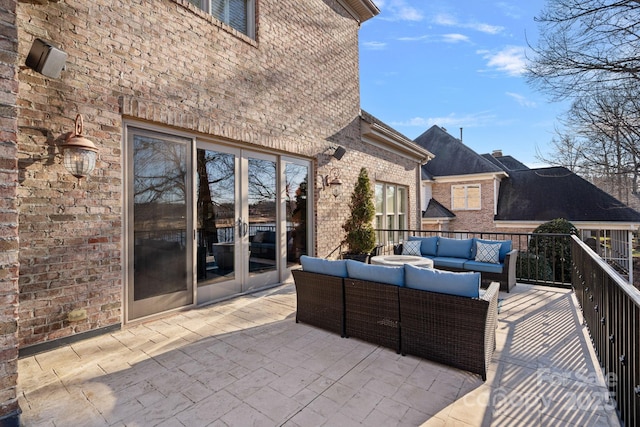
(263,233)
(296,179)
(216,216)
(159,197)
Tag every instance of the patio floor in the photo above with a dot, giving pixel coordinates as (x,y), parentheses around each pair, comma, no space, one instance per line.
(246,362)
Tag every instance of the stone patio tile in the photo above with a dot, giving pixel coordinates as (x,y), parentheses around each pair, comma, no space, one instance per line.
(307,417)
(277,406)
(201,367)
(245,415)
(293,381)
(361,404)
(207,410)
(251,383)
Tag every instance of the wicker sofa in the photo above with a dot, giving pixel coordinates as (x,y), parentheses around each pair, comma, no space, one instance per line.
(371,304)
(495,262)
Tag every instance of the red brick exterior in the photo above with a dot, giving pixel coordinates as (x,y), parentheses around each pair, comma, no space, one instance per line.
(293,90)
(9,245)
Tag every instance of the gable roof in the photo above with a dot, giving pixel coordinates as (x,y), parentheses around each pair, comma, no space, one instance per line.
(507,163)
(452,156)
(437,210)
(556,192)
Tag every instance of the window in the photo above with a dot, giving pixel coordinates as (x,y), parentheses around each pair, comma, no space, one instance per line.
(391,210)
(465,197)
(238,14)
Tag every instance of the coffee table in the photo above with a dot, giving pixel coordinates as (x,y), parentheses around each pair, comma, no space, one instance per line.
(397,260)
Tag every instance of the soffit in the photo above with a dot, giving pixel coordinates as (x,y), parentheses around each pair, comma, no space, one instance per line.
(363,9)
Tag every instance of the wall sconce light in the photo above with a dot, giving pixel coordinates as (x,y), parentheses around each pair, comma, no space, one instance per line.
(332,180)
(79,152)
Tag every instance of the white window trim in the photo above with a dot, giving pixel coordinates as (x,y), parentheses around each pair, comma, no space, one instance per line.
(396,210)
(466,197)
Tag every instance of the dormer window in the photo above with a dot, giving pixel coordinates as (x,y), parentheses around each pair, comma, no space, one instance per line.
(238,14)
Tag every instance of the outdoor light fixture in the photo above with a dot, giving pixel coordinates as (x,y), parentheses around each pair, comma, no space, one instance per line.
(332,180)
(79,152)
(339,153)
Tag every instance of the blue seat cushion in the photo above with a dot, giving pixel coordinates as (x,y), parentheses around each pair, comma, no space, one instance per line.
(375,273)
(484,267)
(444,282)
(449,262)
(324,266)
(428,245)
(505,247)
(455,248)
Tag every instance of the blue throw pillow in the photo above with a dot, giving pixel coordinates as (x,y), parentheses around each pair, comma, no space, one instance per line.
(455,248)
(411,247)
(444,282)
(324,266)
(505,247)
(428,245)
(488,252)
(375,273)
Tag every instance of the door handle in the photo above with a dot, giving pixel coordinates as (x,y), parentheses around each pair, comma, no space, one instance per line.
(243,227)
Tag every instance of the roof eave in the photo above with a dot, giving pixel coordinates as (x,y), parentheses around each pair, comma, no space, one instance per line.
(380,136)
(361,10)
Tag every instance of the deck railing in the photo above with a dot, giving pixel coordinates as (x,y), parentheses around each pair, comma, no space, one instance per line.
(611,311)
(543,258)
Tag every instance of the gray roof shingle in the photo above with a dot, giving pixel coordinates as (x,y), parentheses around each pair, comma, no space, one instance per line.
(556,192)
(452,157)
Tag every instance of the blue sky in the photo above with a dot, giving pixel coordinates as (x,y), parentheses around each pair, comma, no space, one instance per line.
(458,64)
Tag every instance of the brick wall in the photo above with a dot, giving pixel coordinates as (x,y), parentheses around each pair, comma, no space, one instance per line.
(9,265)
(471,220)
(292,90)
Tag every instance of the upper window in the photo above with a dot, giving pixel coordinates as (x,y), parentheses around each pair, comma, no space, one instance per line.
(465,197)
(238,14)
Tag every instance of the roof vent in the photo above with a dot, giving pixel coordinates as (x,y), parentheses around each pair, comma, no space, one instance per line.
(497,153)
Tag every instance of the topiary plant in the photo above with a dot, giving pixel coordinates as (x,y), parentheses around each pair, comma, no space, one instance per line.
(361,237)
(555,249)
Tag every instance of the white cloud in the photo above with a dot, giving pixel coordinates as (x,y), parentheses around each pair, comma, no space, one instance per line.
(454,38)
(509,60)
(451,121)
(450,21)
(398,10)
(522,100)
(374,45)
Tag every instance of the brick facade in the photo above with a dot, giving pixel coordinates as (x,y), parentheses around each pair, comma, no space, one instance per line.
(469,220)
(9,244)
(293,90)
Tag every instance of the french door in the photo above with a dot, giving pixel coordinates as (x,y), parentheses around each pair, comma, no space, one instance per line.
(239,231)
(207,221)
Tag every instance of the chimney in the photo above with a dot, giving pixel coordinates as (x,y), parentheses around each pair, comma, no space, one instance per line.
(497,153)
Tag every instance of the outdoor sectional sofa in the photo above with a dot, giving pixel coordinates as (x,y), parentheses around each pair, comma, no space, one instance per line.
(437,315)
(495,260)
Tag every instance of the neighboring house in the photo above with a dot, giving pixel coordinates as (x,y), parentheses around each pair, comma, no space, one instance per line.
(229,138)
(466,191)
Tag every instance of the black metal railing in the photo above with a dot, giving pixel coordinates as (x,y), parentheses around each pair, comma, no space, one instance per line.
(543,258)
(611,311)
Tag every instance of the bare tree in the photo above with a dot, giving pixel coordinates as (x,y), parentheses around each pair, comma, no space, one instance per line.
(586,45)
